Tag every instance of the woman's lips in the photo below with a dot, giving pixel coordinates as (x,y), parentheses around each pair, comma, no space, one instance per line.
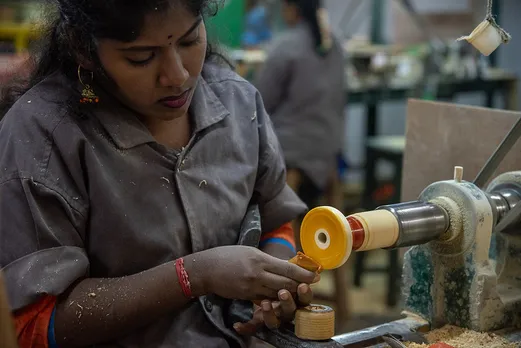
(176,102)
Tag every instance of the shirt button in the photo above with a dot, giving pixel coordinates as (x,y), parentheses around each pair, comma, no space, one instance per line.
(208,305)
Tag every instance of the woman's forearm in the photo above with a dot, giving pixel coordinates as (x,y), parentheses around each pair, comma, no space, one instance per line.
(101,310)
(279,251)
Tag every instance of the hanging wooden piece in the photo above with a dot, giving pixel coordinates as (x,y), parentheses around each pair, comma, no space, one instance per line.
(488,35)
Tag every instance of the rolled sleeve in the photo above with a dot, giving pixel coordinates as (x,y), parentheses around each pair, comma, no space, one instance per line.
(41,233)
(278,204)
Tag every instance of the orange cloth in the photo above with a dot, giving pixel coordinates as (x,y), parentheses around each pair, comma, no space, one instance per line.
(284,232)
(32,323)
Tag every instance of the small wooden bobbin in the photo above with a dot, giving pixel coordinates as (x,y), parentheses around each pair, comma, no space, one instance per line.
(315,323)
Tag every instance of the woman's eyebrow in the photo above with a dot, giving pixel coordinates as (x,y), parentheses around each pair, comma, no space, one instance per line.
(192,28)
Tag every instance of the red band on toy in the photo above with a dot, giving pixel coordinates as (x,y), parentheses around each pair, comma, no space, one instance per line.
(358,232)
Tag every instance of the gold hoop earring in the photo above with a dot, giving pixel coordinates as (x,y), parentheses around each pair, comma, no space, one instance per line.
(87,95)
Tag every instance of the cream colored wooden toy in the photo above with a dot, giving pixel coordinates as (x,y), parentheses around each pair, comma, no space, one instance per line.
(328,237)
(315,322)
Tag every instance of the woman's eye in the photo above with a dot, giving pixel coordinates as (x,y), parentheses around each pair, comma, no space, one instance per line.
(142,62)
(191,42)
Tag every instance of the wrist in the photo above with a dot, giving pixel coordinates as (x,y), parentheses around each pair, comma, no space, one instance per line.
(196,270)
(278,250)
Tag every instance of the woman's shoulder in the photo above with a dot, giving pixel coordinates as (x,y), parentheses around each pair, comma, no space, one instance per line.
(40,109)
(29,129)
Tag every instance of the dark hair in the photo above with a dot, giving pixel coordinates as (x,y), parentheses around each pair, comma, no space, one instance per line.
(75,25)
(309,10)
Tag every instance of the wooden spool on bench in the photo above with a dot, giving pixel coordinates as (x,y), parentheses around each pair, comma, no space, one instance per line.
(314,322)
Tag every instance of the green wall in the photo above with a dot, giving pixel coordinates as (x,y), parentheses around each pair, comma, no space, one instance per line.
(227,26)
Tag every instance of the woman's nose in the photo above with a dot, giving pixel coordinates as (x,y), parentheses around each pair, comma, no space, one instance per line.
(173,72)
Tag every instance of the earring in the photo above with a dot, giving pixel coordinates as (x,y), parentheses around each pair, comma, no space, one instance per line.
(87,95)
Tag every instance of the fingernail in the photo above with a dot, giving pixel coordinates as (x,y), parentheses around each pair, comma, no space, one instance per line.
(317,278)
(304,289)
(236,326)
(284,295)
(266,305)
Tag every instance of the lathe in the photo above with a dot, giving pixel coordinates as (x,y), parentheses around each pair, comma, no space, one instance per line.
(463,267)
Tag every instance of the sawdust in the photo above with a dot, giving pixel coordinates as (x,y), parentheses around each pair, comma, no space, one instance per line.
(462,338)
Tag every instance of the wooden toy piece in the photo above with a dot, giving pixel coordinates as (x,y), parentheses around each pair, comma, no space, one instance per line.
(315,322)
(325,237)
(328,237)
(488,35)
(306,262)
(485,38)
(458,174)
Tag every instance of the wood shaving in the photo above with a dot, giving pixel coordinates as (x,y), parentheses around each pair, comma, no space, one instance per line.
(463,338)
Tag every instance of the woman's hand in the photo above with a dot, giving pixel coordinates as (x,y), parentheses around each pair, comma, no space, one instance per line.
(274,313)
(246,273)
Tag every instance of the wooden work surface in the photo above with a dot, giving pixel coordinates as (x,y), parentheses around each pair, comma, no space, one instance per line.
(7,337)
(440,136)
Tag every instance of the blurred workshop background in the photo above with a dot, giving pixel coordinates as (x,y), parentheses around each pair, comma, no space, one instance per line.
(394,50)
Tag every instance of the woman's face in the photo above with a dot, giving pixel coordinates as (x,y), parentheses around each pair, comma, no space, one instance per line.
(157,73)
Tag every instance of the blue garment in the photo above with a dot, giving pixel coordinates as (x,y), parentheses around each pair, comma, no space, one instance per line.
(280,241)
(50,331)
(257,29)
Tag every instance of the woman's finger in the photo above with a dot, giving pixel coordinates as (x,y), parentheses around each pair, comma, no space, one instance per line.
(291,271)
(304,294)
(287,305)
(277,282)
(265,293)
(270,318)
(251,327)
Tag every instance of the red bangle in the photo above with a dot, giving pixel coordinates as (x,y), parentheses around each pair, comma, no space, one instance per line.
(182,276)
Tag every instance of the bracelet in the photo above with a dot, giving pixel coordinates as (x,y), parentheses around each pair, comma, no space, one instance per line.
(182,276)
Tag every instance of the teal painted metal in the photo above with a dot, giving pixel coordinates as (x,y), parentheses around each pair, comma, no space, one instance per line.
(457,293)
(420,300)
(377,21)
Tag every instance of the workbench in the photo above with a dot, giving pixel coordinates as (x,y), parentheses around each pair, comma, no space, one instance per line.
(20,34)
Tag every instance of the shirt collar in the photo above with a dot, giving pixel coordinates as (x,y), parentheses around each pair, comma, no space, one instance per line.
(127,131)
(206,108)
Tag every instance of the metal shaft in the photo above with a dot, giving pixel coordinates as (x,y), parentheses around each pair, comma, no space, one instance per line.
(504,201)
(419,222)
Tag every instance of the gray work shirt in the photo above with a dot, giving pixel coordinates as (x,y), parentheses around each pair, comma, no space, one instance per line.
(97,196)
(305,96)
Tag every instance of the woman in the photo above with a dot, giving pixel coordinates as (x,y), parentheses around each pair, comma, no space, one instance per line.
(127,166)
(302,86)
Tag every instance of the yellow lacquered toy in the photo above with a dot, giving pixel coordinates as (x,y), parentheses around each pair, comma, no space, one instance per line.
(325,236)
(328,237)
